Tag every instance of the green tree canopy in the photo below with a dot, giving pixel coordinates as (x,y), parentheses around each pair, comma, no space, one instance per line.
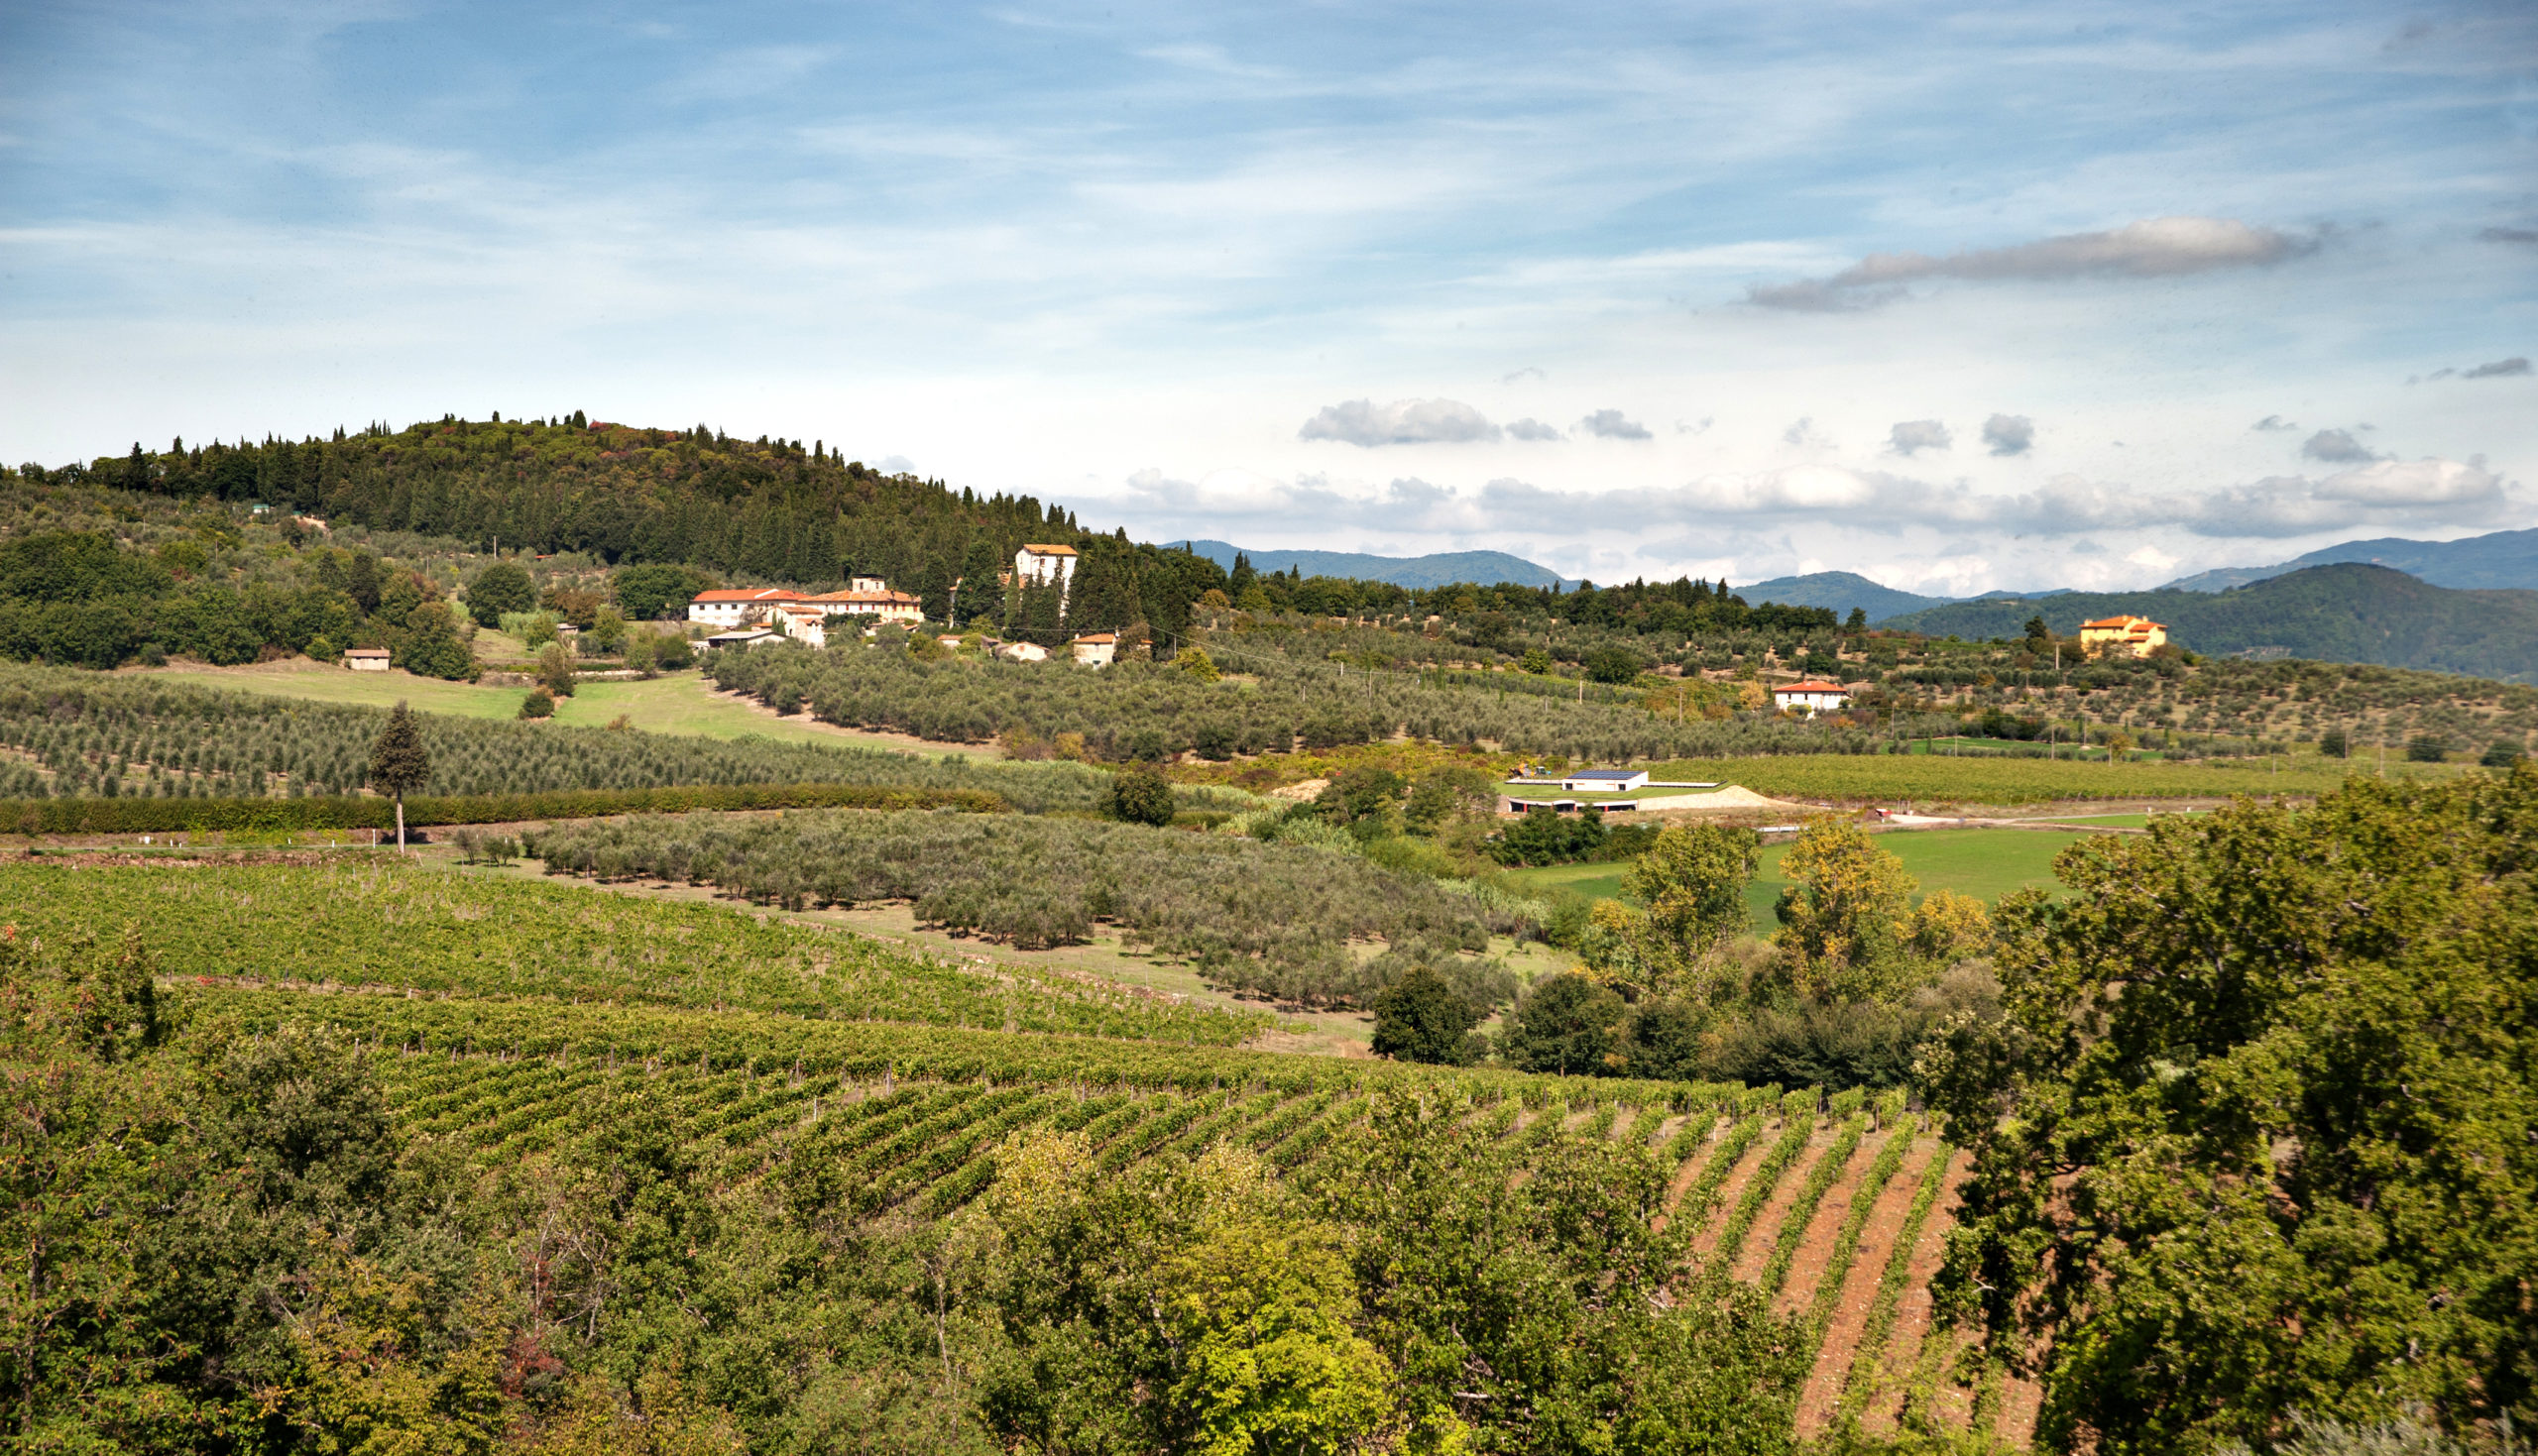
(2258,1135)
(502,587)
(1421,1018)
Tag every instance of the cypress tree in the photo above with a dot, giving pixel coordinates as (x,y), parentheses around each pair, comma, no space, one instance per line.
(398,762)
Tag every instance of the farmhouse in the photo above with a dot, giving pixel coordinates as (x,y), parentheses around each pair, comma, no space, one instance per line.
(733,606)
(1810,696)
(2131,636)
(742,637)
(1041,565)
(1094,649)
(1023,652)
(874,600)
(367,659)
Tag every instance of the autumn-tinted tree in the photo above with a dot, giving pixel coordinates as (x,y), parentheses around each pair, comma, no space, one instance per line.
(1142,796)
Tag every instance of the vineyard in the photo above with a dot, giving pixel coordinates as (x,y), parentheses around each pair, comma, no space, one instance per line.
(428,932)
(1830,1210)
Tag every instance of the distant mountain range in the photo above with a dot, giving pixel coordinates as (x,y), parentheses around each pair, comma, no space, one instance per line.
(2343,613)
(1480,568)
(2503,560)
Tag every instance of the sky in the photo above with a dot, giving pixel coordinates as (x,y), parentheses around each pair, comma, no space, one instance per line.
(2037,295)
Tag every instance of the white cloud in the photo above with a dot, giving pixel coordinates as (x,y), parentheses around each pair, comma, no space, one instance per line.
(2159,247)
(1912,435)
(2335,447)
(2272,422)
(1534,429)
(1612,425)
(1402,422)
(895,465)
(1803,432)
(2008,435)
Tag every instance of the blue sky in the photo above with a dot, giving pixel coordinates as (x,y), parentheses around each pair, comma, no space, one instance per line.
(2045,294)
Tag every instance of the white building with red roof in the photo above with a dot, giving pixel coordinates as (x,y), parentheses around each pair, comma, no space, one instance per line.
(731,607)
(1810,696)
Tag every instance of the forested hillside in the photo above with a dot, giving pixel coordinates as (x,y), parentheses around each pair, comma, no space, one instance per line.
(763,510)
(2335,614)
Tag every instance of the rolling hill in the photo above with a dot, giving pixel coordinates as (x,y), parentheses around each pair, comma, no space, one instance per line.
(2503,560)
(1444,568)
(1839,591)
(2346,612)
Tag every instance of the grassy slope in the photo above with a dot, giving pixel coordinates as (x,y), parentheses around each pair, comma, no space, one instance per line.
(681,702)
(1984,863)
(1894,778)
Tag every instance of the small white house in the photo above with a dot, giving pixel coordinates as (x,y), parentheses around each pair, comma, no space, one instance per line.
(1810,698)
(1023,652)
(1094,649)
(743,637)
(366,659)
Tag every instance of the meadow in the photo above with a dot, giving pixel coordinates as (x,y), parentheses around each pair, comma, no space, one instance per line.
(673,703)
(1985,863)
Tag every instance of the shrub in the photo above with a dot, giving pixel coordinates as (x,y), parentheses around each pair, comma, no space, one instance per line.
(1142,796)
(2427,748)
(538,704)
(2503,754)
(1420,1018)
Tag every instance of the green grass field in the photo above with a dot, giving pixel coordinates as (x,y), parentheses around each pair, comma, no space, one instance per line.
(1984,863)
(679,703)
(1920,778)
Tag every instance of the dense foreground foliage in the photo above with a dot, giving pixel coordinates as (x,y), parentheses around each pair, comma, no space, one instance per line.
(255,1235)
(1275,918)
(2258,1131)
(77,735)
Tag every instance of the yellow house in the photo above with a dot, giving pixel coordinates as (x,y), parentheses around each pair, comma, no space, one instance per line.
(2134,636)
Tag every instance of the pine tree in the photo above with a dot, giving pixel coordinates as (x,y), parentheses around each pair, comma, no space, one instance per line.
(979,594)
(398,762)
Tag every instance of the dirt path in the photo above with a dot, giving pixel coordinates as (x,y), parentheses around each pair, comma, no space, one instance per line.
(1682,1182)
(1912,1320)
(1755,1251)
(1706,1238)
(1823,1393)
(1815,1246)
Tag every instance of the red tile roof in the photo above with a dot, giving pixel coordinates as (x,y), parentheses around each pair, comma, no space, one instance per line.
(1810,686)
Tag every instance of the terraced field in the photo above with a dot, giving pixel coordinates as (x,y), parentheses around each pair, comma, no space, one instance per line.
(1834,1210)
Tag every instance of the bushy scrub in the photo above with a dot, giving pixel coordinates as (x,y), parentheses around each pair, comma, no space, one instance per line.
(1274,919)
